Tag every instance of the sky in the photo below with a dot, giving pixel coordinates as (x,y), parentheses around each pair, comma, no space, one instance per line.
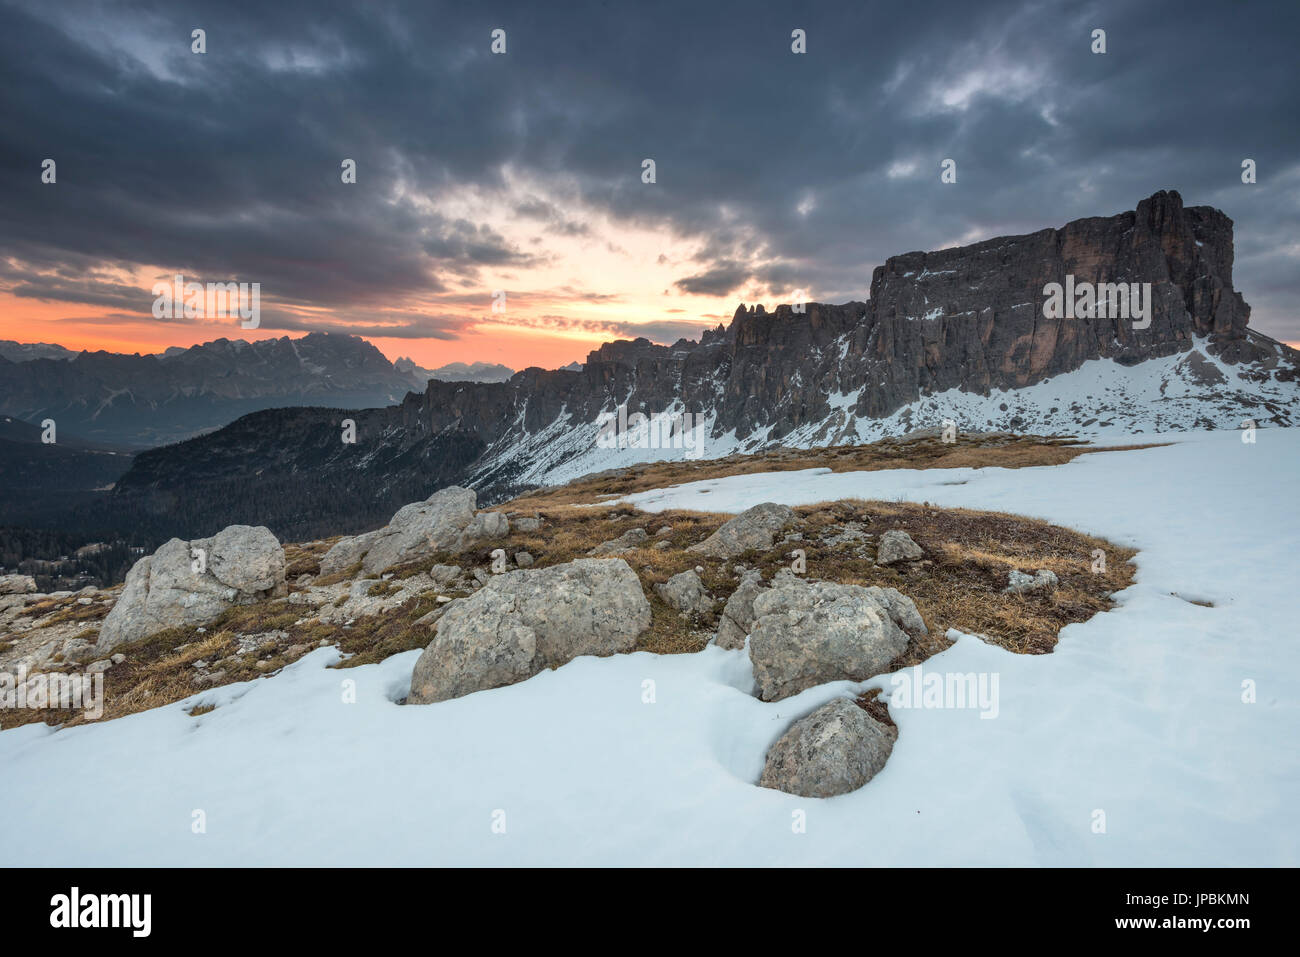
(779,176)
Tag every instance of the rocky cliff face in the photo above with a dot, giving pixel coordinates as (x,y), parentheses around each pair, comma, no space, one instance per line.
(969,319)
(942,335)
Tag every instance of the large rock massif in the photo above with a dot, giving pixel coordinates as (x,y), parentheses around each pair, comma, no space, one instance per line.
(962,322)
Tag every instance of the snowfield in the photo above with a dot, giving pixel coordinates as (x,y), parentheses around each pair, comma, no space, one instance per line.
(1138,715)
(1101,399)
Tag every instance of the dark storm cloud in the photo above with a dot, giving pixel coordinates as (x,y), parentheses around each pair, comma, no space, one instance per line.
(722,279)
(793,171)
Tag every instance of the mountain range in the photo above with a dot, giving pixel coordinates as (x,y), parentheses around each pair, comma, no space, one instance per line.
(958,333)
(147,400)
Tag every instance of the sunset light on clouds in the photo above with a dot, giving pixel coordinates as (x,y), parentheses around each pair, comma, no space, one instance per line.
(478,173)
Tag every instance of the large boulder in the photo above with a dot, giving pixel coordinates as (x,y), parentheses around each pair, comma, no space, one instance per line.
(834,750)
(756,527)
(192,583)
(524,621)
(808,633)
(484,526)
(416,529)
(17,584)
(686,592)
(738,614)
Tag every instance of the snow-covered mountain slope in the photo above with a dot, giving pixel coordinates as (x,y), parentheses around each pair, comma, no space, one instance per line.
(1140,721)
(1188,390)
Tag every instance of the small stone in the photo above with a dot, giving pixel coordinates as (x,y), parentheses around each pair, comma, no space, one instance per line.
(686,593)
(523,559)
(1018,582)
(629,540)
(117,659)
(897,546)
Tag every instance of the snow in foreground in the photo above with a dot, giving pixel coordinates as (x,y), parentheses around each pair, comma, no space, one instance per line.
(1138,714)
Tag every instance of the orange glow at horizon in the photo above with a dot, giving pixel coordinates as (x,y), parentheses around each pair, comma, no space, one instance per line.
(92,328)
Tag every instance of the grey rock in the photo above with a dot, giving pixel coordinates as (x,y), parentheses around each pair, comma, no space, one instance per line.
(756,527)
(78,650)
(251,644)
(17,584)
(664,530)
(524,621)
(685,592)
(117,659)
(897,546)
(626,542)
(527,524)
(483,527)
(430,618)
(902,609)
(808,633)
(95,667)
(242,564)
(834,750)
(1018,582)
(444,574)
(738,614)
(414,530)
(523,559)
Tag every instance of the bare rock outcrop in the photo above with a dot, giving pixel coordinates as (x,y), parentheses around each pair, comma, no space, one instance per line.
(834,750)
(755,527)
(192,583)
(808,633)
(416,529)
(896,546)
(17,584)
(738,614)
(686,592)
(632,538)
(524,621)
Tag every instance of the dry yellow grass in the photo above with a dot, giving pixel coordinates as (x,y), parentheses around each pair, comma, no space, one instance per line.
(1003,451)
(957,585)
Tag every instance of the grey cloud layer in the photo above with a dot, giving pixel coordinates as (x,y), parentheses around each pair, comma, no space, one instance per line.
(795,171)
